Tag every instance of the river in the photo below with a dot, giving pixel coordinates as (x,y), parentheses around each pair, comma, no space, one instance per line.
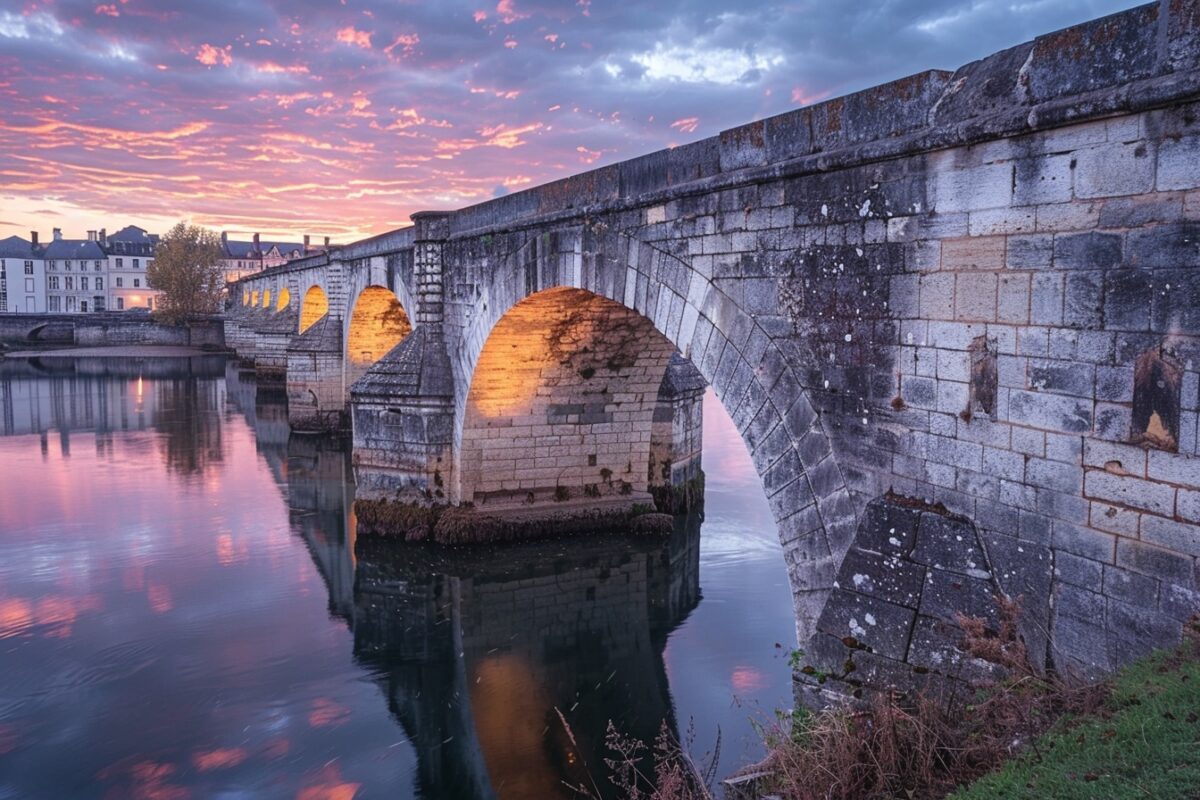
(185,612)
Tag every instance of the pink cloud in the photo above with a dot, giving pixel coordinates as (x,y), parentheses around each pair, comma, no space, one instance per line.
(686,125)
(506,10)
(349,35)
(211,56)
(407,42)
(109,10)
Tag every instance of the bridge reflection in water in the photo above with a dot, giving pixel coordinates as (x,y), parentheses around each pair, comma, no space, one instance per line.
(478,652)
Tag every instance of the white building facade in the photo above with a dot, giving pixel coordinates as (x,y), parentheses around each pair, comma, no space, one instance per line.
(22,276)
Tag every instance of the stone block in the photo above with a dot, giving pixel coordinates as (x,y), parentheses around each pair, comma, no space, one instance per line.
(884,627)
(1114,169)
(1166,565)
(1174,246)
(1178,166)
(1077,570)
(1130,491)
(1129,587)
(1086,542)
(970,189)
(1087,250)
(887,577)
(1179,537)
(973,253)
(1050,412)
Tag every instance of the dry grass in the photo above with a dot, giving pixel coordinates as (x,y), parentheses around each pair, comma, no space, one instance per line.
(914,745)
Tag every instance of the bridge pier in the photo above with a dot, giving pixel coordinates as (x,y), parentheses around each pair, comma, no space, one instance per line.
(273,335)
(315,394)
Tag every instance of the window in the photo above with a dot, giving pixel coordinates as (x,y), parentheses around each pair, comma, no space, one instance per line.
(120,263)
(98,263)
(52,282)
(120,281)
(52,264)
(99,284)
(56,304)
(137,282)
(72,304)
(120,302)
(69,283)
(28,267)
(29,284)
(83,282)
(83,305)
(67,263)
(135,263)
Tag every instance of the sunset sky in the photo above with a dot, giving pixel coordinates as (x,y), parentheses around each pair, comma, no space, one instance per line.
(342,118)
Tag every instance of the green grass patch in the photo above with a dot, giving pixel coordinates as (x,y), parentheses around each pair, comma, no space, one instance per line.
(1146,743)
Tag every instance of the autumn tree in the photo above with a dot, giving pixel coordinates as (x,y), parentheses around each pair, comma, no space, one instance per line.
(187,270)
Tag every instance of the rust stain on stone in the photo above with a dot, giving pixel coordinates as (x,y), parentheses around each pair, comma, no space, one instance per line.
(984,377)
(1156,384)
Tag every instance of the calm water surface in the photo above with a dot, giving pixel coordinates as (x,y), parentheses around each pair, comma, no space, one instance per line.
(184,612)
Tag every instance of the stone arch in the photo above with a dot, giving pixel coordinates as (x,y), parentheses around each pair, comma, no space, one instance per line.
(266,298)
(376,324)
(245,297)
(314,306)
(284,300)
(563,357)
(254,298)
(735,353)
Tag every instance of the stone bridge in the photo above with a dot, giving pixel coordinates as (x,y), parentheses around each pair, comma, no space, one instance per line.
(978,290)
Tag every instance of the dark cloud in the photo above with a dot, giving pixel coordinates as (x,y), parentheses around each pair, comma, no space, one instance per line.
(345,118)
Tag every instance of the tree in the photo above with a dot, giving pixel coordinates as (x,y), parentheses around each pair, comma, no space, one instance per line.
(187,270)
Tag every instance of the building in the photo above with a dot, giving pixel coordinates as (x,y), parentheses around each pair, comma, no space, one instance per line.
(129,252)
(109,272)
(75,274)
(243,258)
(22,276)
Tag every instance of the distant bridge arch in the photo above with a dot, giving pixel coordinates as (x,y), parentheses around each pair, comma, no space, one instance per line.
(314,306)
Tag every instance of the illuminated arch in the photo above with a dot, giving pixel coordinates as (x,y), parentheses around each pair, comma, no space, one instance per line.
(315,306)
(254,298)
(575,377)
(285,299)
(266,298)
(245,297)
(377,324)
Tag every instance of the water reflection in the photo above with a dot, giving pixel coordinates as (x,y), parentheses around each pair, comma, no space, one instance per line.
(162,621)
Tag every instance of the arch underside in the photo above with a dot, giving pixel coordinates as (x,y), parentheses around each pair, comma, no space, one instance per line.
(562,403)
(377,324)
(314,306)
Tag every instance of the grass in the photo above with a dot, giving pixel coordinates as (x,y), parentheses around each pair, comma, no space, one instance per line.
(1145,742)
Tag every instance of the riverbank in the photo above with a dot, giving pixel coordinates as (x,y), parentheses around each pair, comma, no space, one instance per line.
(108,351)
(1026,736)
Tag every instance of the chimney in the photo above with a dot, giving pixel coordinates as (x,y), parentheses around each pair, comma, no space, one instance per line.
(224,237)
(58,234)
(91,236)
(306,243)
(256,247)
(326,242)
(33,237)
(103,236)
